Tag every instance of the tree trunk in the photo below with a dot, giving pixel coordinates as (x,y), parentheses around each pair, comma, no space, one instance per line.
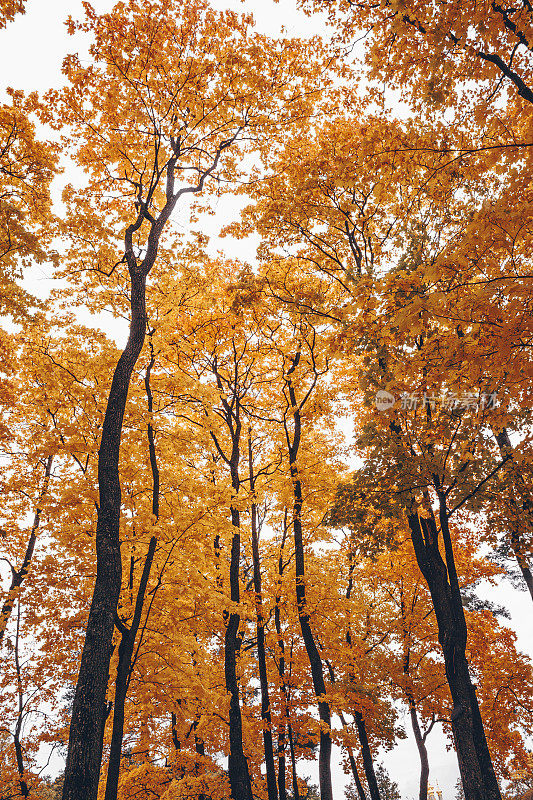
(475,765)
(174,732)
(315,661)
(353,765)
(87,724)
(261,654)
(282,781)
(367,757)
(239,776)
(24,788)
(284,716)
(516,537)
(263,678)
(125,655)
(409,693)
(89,709)
(18,577)
(127,643)
(422,750)
(366,754)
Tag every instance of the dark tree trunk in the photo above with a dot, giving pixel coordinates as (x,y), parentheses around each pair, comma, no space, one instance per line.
(174,731)
(284,716)
(355,774)
(475,765)
(261,654)
(422,750)
(353,765)
(368,763)
(127,643)
(89,710)
(125,655)
(24,788)
(263,678)
(282,781)
(239,776)
(367,757)
(18,576)
(199,749)
(315,661)
(409,693)
(524,512)
(366,754)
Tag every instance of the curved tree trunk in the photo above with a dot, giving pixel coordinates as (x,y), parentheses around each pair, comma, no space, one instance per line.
(284,722)
(127,643)
(295,790)
(353,765)
(422,751)
(239,774)
(24,788)
(366,753)
(315,661)
(87,724)
(475,765)
(89,709)
(125,656)
(410,696)
(266,717)
(515,533)
(263,677)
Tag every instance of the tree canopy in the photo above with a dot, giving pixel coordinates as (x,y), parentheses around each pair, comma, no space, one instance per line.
(252,525)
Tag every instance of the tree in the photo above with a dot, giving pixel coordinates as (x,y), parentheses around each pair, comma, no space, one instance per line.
(146,140)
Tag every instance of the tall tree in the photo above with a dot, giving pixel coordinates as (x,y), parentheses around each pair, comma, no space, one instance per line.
(169,91)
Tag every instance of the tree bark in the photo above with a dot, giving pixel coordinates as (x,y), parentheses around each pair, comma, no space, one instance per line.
(284,716)
(315,661)
(24,788)
(125,656)
(89,710)
(409,693)
(516,537)
(128,635)
(261,654)
(86,736)
(366,754)
(174,732)
(239,775)
(353,765)
(422,750)
(475,765)
(361,729)
(282,781)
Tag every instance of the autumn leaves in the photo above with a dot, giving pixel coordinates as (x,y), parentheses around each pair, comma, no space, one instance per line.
(246,596)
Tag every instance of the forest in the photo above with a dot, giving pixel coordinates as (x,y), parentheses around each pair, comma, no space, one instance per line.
(257,512)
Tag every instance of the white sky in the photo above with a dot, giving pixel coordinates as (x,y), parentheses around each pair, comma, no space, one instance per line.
(31,52)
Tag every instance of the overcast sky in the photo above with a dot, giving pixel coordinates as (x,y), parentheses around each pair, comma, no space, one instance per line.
(31,52)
